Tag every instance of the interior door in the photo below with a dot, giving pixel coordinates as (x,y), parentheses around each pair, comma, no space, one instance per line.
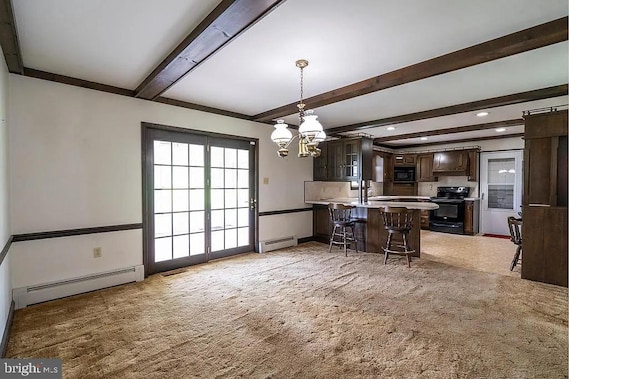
(500,190)
(199,198)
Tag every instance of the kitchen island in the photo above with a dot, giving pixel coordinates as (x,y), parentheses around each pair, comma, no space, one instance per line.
(370,230)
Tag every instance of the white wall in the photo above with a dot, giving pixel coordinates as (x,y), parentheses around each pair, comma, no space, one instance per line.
(5,267)
(76,162)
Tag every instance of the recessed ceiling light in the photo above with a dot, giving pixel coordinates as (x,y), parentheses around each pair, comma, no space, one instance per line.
(501,129)
(482,114)
(391,128)
(423,138)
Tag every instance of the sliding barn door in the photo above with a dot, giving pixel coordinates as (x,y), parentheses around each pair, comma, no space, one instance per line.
(199,198)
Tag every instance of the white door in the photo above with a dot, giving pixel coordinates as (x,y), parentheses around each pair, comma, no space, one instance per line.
(500,190)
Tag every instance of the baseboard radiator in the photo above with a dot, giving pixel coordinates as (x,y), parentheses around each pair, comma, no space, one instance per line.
(25,296)
(278,243)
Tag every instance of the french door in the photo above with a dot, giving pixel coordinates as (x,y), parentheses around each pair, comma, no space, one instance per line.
(199,198)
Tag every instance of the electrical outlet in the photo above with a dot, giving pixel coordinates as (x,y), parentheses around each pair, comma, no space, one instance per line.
(97,252)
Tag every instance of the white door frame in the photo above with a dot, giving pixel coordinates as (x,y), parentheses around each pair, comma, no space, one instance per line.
(494,221)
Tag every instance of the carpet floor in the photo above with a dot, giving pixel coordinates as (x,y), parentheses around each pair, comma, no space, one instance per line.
(304,313)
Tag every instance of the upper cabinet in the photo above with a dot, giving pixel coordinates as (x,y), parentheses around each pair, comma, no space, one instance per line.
(474,165)
(425,168)
(453,162)
(344,160)
(405,160)
(382,167)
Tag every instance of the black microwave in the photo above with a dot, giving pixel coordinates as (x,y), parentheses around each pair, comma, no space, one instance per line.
(404,174)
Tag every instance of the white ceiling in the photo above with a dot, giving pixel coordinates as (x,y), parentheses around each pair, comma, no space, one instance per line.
(119,42)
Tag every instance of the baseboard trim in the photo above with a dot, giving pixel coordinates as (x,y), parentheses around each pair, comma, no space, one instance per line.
(306,239)
(7,330)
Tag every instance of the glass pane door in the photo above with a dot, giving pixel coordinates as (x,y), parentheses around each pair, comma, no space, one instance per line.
(500,190)
(199,198)
(232,207)
(501,184)
(178,209)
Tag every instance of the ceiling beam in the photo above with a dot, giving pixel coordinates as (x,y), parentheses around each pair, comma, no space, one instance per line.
(457,129)
(226,22)
(528,39)
(516,98)
(448,142)
(9,38)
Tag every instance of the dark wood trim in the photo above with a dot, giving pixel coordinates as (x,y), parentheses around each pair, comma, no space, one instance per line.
(75,232)
(5,249)
(33,73)
(528,39)
(306,239)
(7,330)
(226,22)
(203,108)
(458,129)
(205,133)
(9,39)
(516,98)
(284,211)
(502,136)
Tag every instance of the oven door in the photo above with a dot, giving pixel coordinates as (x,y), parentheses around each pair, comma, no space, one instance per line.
(449,210)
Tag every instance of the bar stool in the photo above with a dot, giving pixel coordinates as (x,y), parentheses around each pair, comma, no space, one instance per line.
(397,221)
(343,233)
(515,229)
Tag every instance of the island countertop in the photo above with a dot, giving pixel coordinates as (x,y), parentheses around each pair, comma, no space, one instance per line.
(417,202)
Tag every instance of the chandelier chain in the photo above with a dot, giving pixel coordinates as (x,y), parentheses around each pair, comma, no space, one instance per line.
(301,105)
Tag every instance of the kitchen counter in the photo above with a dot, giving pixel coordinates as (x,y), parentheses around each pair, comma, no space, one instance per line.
(416,202)
(370,228)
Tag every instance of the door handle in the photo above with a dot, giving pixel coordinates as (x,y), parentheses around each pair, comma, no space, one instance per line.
(252,203)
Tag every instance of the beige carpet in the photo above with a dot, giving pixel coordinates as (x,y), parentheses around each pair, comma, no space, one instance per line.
(305,313)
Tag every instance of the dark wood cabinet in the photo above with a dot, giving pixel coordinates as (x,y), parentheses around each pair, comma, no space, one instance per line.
(453,162)
(404,189)
(424,219)
(405,160)
(545,210)
(474,165)
(382,166)
(335,160)
(471,223)
(320,165)
(344,160)
(425,168)
(321,223)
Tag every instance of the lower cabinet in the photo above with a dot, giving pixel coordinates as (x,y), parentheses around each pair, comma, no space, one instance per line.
(322,226)
(471,217)
(321,223)
(424,220)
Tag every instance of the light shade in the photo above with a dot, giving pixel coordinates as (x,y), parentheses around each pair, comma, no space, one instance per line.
(282,135)
(310,127)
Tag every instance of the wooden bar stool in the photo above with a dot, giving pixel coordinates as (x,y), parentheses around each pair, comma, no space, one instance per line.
(343,233)
(397,221)
(515,229)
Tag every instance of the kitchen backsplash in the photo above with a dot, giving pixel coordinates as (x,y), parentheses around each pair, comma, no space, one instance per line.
(331,190)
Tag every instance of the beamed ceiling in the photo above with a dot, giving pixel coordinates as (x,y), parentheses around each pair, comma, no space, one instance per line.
(424,67)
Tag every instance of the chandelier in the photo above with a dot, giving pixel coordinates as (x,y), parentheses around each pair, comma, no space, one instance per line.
(310,133)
